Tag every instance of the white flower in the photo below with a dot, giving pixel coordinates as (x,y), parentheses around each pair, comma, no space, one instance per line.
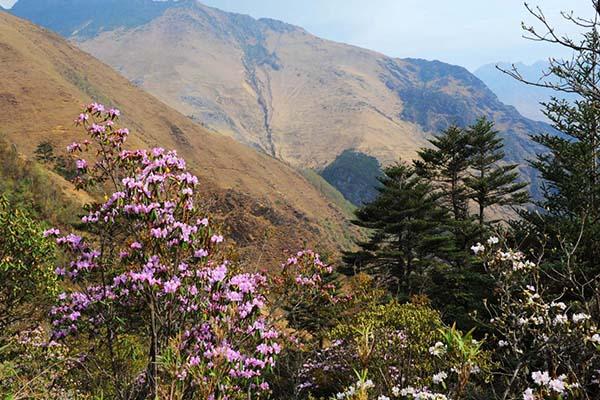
(595,338)
(439,377)
(502,343)
(396,391)
(540,378)
(478,248)
(382,397)
(540,321)
(577,318)
(560,319)
(367,384)
(528,394)
(493,240)
(560,305)
(437,349)
(558,385)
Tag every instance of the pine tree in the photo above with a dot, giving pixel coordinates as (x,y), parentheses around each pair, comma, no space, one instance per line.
(571,205)
(45,152)
(491,183)
(409,231)
(447,165)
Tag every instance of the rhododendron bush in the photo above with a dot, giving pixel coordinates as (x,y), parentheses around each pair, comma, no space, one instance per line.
(152,268)
(547,344)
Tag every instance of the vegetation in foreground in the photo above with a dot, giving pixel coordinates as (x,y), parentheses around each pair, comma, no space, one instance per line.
(139,299)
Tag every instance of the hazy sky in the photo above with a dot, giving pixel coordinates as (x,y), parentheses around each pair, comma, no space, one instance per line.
(464,32)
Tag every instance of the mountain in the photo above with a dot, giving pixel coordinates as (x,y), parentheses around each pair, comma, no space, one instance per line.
(46,80)
(276,87)
(525,98)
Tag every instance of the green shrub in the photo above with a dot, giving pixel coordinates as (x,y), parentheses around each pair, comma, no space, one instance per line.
(26,268)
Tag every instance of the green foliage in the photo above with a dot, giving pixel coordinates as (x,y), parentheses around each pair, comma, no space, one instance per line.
(447,164)
(65,167)
(421,325)
(391,346)
(491,183)
(569,222)
(28,285)
(422,224)
(44,153)
(409,231)
(385,341)
(27,184)
(32,369)
(26,268)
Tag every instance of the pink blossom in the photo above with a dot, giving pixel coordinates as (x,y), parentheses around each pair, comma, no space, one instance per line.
(216,239)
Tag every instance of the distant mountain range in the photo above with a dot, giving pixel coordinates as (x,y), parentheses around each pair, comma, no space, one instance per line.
(525,98)
(279,89)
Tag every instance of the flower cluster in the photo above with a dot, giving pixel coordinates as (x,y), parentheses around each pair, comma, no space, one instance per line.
(306,289)
(154,265)
(546,385)
(411,393)
(532,326)
(360,387)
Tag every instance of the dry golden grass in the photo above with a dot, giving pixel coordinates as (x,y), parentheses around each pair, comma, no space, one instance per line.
(45,81)
(325,98)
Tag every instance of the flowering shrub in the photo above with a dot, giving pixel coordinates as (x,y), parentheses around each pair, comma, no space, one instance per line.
(396,351)
(153,269)
(306,290)
(546,347)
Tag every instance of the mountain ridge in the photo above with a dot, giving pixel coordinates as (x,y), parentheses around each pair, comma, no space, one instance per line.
(298,97)
(46,82)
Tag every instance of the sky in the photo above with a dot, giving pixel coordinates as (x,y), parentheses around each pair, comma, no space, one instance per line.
(463,32)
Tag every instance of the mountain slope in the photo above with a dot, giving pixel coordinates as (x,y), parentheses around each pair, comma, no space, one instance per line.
(46,80)
(284,91)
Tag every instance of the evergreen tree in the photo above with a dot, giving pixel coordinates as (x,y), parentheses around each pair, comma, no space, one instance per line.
(409,231)
(491,183)
(447,165)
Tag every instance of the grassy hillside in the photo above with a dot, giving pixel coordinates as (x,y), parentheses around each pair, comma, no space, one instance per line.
(46,81)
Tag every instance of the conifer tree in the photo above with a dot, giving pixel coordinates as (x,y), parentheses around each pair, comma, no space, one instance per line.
(409,230)
(491,183)
(447,166)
